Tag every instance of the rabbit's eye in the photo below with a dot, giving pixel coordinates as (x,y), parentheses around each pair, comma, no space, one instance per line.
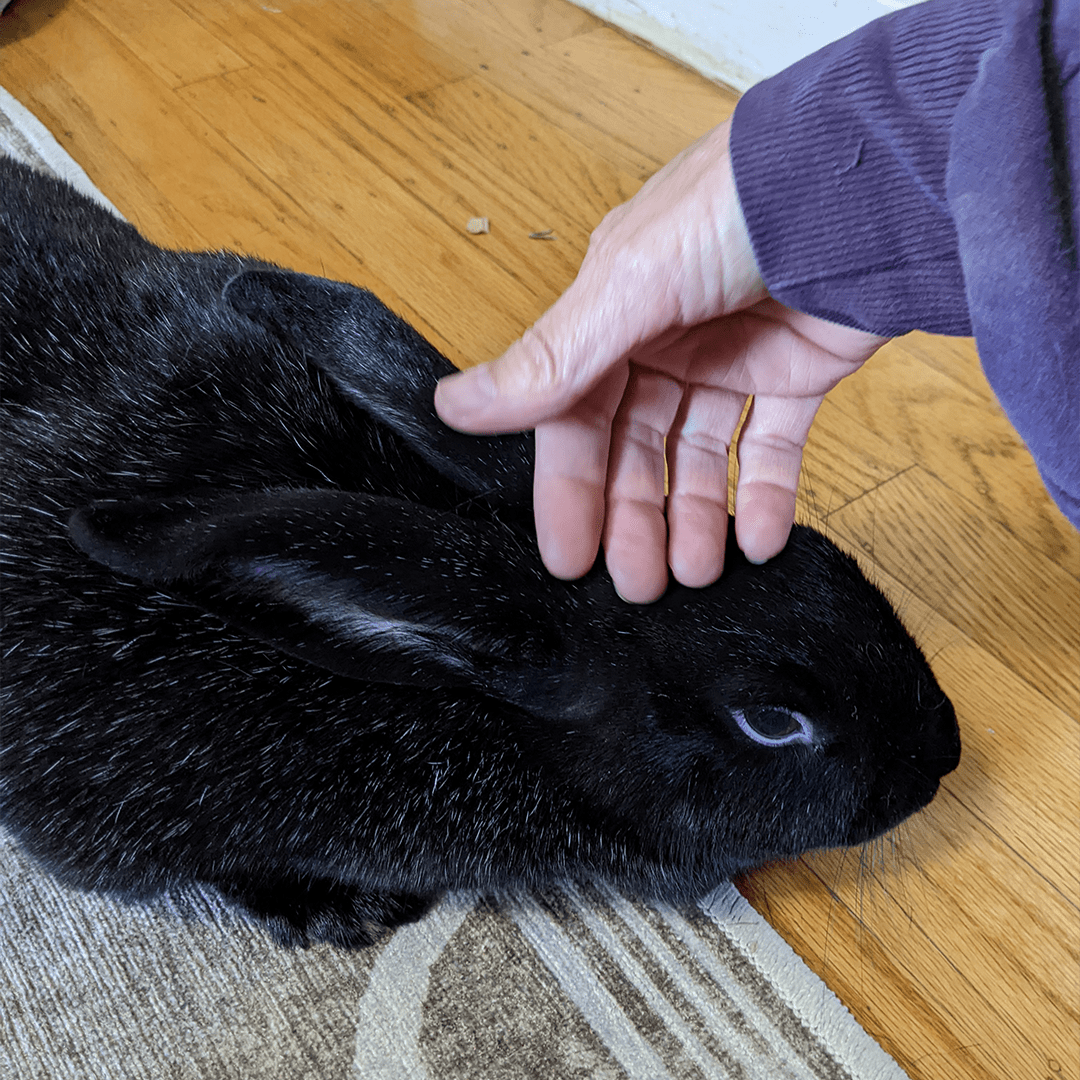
(771,725)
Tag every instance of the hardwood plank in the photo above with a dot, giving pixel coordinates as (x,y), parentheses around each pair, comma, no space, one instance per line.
(138,115)
(884,991)
(468,41)
(475,32)
(954,357)
(606,82)
(576,181)
(434,167)
(82,125)
(633,86)
(961,436)
(176,48)
(939,1015)
(1012,737)
(353,93)
(842,462)
(386,49)
(420,254)
(983,950)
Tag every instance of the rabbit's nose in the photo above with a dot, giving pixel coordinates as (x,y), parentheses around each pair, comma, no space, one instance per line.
(910,780)
(941,738)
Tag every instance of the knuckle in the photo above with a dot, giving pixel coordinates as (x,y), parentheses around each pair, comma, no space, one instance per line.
(537,364)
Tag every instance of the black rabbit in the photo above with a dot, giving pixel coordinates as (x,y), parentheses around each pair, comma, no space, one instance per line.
(269,625)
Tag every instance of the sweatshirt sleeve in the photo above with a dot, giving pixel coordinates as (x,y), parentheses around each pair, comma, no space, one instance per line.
(924,173)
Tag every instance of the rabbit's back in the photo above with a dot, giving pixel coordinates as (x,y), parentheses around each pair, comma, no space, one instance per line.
(146,739)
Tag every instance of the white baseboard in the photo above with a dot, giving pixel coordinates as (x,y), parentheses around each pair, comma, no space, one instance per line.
(736,42)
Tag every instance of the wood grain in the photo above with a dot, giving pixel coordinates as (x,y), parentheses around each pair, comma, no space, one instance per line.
(355,140)
(949,423)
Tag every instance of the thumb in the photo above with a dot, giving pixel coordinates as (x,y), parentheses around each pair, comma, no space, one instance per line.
(554,363)
(650,262)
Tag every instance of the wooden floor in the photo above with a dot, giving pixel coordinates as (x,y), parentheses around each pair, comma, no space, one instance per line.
(355,139)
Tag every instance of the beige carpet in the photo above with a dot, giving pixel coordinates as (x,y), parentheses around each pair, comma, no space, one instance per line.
(572,984)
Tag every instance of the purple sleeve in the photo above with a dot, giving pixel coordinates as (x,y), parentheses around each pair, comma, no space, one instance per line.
(924,172)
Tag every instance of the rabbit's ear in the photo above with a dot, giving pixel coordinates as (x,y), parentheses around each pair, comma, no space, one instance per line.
(370,588)
(386,368)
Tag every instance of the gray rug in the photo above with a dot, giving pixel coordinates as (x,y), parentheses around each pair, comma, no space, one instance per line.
(571,984)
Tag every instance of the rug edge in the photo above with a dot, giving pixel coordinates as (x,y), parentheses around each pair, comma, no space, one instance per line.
(38,147)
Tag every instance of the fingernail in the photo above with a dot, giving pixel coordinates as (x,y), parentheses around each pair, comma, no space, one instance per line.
(464,393)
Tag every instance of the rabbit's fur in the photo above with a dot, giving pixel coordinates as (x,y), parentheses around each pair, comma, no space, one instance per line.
(269,625)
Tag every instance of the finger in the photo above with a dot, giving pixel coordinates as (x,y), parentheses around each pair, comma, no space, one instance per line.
(570,478)
(763,519)
(635,530)
(675,254)
(698,458)
(635,538)
(770,458)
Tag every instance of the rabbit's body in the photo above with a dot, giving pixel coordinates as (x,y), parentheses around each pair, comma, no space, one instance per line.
(269,625)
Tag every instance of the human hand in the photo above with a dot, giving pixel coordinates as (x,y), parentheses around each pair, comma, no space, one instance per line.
(648,357)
